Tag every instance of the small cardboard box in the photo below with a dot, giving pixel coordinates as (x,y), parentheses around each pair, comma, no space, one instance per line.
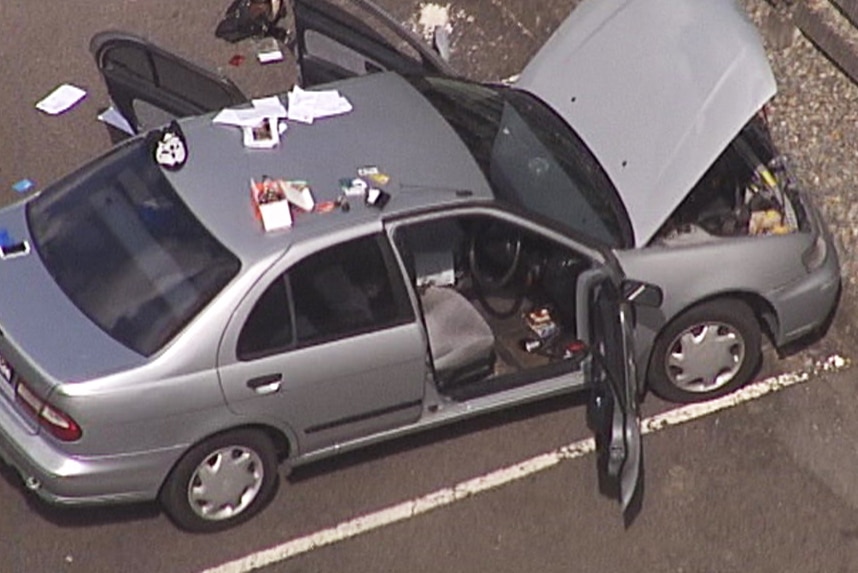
(269,200)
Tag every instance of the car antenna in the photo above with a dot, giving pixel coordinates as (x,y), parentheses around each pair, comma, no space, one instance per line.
(459,192)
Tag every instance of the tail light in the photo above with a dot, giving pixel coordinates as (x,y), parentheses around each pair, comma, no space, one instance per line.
(54,420)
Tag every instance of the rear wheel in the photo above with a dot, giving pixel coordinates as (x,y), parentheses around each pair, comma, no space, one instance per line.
(221,482)
(708,351)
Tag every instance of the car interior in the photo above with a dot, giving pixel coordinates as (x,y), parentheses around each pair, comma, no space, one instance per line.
(498,302)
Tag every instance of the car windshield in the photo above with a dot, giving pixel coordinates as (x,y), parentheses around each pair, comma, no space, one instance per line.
(127,251)
(531,157)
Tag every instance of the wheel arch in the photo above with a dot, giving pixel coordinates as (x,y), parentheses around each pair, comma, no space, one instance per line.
(284,444)
(764,312)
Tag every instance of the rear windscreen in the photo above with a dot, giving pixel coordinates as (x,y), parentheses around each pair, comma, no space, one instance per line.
(127,251)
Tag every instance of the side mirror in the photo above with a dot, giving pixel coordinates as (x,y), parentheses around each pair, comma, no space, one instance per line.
(643,294)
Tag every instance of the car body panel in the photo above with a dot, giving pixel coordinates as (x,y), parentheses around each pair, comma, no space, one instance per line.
(767,271)
(328,392)
(127,451)
(657,89)
(382,103)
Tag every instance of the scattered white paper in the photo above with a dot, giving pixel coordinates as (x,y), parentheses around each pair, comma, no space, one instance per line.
(268,50)
(61,99)
(269,57)
(269,107)
(307,106)
(112,117)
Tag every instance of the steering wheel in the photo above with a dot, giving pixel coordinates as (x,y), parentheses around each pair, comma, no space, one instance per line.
(495,255)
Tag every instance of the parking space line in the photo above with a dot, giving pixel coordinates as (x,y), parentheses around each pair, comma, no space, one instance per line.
(463,490)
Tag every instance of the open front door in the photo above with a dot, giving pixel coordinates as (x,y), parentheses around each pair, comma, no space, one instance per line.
(612,412)
(150,86)
(337,39)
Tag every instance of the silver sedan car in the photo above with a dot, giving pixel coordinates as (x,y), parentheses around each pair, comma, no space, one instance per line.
(226,298)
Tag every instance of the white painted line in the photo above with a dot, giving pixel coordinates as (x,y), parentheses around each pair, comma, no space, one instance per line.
(503,476)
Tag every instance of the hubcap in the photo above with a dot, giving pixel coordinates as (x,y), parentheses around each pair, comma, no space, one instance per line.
(705,357)
(225,483)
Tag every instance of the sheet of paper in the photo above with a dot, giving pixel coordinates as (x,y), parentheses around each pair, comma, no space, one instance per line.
(272,106)
(307,106)
(268,50)
(251,116)
(112,117)
(61,99)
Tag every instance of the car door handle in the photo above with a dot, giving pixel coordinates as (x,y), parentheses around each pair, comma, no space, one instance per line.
(268,384)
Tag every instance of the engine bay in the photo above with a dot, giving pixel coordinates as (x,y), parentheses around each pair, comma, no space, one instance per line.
(748,192)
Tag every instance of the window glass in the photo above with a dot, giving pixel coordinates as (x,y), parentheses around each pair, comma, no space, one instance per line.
(531,157)
(201,89)
(133,60)
(269,327)
(346,290)
(127,251)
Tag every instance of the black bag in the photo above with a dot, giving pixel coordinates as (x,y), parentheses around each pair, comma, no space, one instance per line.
(248,18)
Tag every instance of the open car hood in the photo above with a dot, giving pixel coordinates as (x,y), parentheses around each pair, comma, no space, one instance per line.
(657,89)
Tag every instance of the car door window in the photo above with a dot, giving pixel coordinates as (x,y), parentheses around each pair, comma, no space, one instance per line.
(269,327)
(150,85)
(346,290)
(356,37)
(341,291)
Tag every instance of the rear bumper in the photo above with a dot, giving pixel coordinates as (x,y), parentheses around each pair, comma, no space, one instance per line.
(63,479)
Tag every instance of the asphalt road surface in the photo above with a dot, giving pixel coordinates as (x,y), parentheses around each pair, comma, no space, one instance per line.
(767,485)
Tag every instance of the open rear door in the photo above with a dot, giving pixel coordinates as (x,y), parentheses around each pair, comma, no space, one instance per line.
(612,412)
(337,39)
(150,86)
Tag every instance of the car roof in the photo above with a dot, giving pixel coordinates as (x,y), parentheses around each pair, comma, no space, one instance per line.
(391,127)
(657,89)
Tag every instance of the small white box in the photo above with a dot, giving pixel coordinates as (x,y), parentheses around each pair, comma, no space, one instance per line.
(275,215)
(269,200)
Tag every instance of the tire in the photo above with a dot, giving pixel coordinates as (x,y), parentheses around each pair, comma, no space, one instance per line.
(708,351)
(221,482)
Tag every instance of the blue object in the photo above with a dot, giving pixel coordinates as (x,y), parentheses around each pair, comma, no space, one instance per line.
(5,239)
(23,185)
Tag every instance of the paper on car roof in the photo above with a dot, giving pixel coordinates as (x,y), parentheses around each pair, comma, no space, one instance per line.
(306,106)
(248,117)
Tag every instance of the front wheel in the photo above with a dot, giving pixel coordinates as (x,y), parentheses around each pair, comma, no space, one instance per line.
(221,482)
(708,351)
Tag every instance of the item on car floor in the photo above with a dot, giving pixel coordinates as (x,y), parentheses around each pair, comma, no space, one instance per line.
(539,321)
(545,333)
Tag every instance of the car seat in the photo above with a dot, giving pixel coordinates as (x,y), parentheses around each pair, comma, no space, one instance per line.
(460,340)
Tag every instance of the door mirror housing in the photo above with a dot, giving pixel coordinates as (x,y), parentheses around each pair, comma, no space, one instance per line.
(643,294)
